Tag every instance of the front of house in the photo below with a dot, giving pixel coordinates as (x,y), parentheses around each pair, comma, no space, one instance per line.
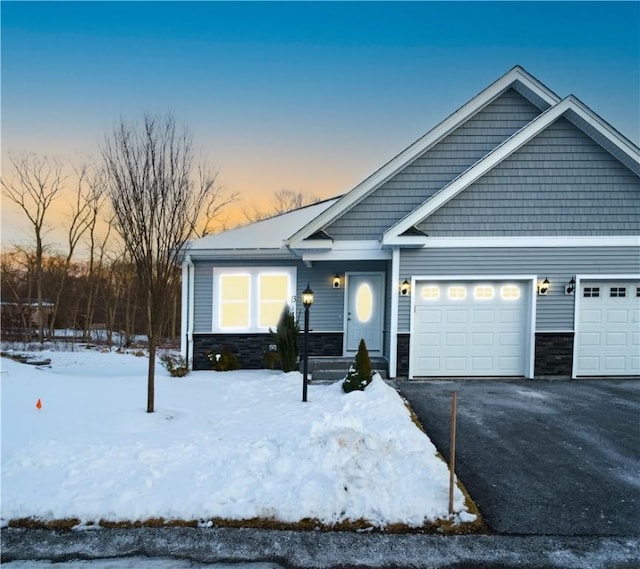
(503,243)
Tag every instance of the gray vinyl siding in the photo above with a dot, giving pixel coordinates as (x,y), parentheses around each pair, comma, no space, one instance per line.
(327,312)
(560,183)
(554,311)
(440,164)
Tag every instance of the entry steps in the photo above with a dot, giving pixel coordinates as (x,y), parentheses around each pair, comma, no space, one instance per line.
(335,368)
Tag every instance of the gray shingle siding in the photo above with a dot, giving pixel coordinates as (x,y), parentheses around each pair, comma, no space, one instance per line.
(435,168)
(560,183)
(554,311)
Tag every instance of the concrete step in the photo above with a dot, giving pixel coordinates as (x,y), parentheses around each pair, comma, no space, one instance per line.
(328,368)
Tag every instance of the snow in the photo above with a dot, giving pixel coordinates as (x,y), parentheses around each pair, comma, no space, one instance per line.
(266,234)
(233,445)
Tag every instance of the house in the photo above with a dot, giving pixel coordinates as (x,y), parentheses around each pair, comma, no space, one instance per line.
(504,242)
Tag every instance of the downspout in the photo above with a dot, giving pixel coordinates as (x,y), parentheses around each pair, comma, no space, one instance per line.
(186,326)
(393,336)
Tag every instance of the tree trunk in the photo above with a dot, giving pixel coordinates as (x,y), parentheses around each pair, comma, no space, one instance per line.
(151,374)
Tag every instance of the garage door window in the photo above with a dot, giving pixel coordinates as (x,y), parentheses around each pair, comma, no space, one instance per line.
(483,292)
(457,292)
(591,292)
(618,292)
(510,292)
(430,292)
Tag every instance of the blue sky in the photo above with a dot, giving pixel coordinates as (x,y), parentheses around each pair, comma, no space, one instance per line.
(311,96)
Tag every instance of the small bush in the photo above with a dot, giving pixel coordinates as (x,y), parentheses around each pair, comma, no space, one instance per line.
(272,360)
(224,361)
(286,339)
(175,365)
(360,373)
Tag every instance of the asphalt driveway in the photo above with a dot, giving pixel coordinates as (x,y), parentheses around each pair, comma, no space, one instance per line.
(542,457)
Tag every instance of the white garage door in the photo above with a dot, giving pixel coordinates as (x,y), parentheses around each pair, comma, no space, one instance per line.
(608,328)
(470,329)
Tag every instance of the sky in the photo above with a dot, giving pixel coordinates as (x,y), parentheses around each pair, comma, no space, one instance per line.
(308,96)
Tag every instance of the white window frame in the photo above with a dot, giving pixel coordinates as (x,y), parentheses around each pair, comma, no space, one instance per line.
(254,274)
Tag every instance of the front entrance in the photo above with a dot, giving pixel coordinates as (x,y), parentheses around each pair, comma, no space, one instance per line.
(364,311)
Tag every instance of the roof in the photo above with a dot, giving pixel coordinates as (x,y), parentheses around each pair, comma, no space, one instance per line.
(517,78)
(267,234)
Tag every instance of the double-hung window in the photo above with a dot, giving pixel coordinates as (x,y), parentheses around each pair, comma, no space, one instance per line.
(251,299)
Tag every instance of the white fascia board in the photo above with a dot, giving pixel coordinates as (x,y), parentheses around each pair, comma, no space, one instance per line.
(350,251)
(413,241)
(542,241)
(314,244)
(435,135)
(496,156)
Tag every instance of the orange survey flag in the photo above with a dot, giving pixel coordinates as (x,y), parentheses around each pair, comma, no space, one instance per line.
(39,404)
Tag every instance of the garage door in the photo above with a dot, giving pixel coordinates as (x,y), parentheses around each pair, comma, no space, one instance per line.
(608,328)
(470,329)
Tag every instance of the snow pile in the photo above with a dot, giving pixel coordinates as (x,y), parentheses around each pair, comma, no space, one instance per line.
(234,445)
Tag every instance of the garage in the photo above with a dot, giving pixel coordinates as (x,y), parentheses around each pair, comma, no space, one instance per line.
(474,328)
(607,339)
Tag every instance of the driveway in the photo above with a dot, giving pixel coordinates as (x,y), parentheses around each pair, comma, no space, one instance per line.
(542,457)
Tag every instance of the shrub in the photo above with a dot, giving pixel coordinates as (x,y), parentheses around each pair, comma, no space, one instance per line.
(286,340)
(175,365)
(360,373)
(224,361)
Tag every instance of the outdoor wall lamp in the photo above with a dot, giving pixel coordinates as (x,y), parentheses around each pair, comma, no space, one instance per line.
(405,288)
(571,287)
(543,289)
(336,282)
(307,301)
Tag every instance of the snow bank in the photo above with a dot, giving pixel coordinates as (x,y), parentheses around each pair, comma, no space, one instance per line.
(231,445)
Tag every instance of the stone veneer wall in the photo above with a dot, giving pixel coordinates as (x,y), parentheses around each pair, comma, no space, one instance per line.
(250,348)
(554,354)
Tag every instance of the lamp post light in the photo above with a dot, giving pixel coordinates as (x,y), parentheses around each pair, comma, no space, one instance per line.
(307,301)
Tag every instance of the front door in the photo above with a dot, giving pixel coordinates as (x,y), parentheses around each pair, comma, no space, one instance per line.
(364,311)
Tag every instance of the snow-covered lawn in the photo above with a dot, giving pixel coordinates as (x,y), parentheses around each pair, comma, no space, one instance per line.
(231,445)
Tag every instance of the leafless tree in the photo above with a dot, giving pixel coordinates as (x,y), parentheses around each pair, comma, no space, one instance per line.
(80,219)
(157,203)
(35,183)
(283,201)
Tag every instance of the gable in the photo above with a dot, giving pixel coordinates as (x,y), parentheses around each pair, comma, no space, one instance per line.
(559,183)
(437,166)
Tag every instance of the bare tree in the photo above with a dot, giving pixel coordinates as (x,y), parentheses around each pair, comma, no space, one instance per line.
(35,183)
(156,203)
(283,201)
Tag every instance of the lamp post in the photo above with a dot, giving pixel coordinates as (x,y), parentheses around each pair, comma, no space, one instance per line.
(307,301)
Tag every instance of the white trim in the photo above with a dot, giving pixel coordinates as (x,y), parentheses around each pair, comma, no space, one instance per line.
(529,358)
(351,251)
(508,147)
(516,76)
(576,306)
(187,310)
(393,333)
(512,241)
(556,331)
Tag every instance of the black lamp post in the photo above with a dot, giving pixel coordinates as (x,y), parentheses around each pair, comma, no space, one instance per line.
(307,301)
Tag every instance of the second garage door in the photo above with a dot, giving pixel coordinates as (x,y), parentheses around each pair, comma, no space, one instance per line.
(466,329)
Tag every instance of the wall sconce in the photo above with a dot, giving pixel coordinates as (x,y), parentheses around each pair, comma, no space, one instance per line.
(543,288)
(336,281)
(405,288)
(571,287)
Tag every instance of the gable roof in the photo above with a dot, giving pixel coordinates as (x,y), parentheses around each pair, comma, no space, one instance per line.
(517,78)
(268,234)
(570,108)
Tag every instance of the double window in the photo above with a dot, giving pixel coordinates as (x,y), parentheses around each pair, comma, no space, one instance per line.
(251,299)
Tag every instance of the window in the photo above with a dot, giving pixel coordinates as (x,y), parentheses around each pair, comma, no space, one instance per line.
(638,291)
(430,292)
(617,291)
(591,292)
(364,303)
(251,299)
(457,292)
(483,292)
(510,292)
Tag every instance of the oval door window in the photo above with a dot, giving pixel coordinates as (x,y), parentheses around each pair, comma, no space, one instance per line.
(364,303)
